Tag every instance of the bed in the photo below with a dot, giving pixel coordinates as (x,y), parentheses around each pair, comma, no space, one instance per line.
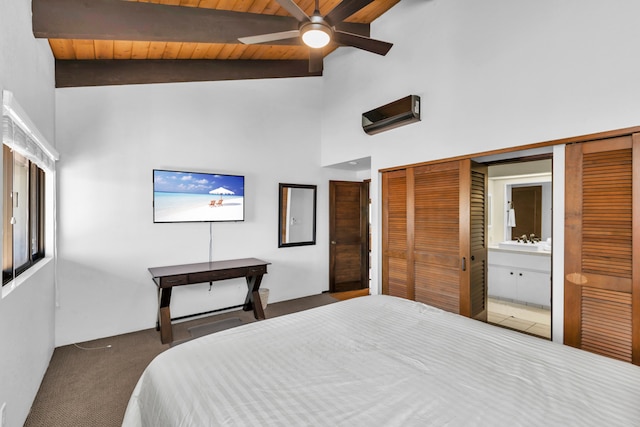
(381,361)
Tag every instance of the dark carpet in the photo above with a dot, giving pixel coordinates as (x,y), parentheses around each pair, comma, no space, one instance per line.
(210,328)
(89,384)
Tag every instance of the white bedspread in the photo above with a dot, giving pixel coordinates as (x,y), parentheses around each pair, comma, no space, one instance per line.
(381,361)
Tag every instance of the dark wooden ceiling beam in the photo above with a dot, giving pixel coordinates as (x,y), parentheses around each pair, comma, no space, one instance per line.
(136,21)
(123,72)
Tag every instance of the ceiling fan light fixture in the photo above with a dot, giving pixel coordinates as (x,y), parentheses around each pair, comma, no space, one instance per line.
(316,34)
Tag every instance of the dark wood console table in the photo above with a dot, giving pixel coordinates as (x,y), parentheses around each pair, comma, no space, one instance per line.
(188,274)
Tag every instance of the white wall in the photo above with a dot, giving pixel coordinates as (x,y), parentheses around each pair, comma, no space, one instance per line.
(110,139)
(27,312)
(491,74)
(557,261)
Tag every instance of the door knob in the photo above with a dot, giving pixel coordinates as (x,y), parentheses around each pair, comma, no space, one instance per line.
(333,242)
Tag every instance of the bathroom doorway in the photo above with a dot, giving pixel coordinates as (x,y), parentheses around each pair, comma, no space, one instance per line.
(519,244)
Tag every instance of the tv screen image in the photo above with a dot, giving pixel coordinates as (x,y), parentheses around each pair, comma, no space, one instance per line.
(180,196)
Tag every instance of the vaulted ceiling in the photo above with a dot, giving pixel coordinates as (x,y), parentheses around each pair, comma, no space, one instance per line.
(117,42)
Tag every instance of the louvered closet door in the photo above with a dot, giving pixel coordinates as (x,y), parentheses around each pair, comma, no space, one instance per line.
(434,236)
(437,248)
(602,293)
(394,236)
(477,293)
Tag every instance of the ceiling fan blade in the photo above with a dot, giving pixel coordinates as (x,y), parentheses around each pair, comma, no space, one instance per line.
(316,60)
(345,10)
(364,43)
(294,10)
(264,38)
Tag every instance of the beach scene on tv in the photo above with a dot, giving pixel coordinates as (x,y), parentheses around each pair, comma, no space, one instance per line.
(197,197)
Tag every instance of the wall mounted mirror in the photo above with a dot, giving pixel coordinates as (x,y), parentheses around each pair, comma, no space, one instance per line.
(297,215)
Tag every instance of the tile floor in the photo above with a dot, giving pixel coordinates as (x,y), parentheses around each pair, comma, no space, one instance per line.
(533,320)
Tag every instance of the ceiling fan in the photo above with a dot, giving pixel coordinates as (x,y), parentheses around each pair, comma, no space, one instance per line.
(317,31)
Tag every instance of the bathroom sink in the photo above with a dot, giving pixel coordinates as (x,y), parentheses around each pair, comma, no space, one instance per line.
(520,246)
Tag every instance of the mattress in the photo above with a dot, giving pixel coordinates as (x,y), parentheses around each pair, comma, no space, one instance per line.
(381,361)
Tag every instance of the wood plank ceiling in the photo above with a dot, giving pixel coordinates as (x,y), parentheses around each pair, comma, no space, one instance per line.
(116,42)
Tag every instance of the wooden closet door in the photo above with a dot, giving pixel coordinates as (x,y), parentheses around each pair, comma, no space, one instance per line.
(395,274)
(437,248)
(477,294)
(449,244)
(602,292)
(434,236)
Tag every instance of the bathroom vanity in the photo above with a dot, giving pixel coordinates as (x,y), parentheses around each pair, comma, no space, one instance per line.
(520,273)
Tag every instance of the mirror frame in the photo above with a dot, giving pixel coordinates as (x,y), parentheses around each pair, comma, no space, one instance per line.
(282,219)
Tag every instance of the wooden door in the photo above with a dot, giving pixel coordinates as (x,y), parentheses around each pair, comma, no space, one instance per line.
(477,293)
(438,253)
(349,236)
(434,236)
(602,268)
(395,279)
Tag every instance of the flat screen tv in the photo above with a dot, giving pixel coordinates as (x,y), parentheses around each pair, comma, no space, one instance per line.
(180,196)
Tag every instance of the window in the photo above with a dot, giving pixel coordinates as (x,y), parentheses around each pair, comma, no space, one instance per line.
(23,216)
(26,155)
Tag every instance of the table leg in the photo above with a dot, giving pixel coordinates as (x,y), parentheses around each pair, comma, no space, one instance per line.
(166,332)
(158,317)
(253,300)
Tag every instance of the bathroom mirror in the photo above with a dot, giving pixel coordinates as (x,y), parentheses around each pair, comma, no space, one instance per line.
(526,201)
(529,212)
(297,215)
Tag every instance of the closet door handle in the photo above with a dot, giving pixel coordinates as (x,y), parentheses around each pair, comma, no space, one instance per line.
(464,264)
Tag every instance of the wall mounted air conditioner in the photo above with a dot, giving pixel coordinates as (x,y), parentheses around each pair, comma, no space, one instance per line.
(390,116)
